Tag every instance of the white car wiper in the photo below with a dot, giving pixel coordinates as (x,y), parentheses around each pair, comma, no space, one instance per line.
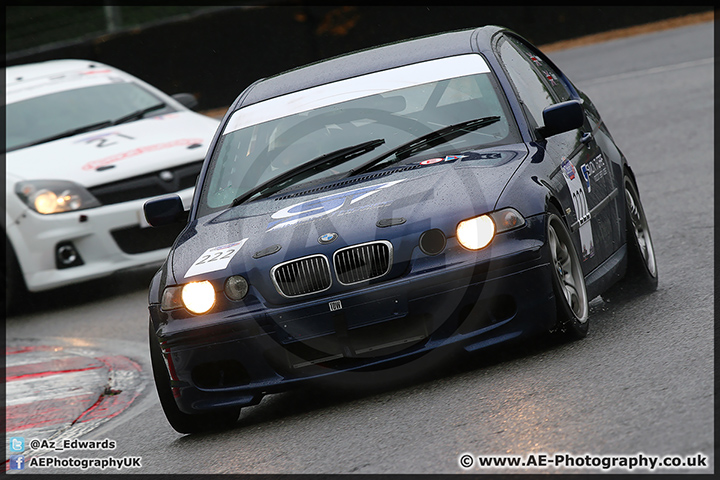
(67,133)
(427,141)
(138,114)
(308,169)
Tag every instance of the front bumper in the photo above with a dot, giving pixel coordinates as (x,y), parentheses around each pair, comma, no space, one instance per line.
(107,239)
(234,358)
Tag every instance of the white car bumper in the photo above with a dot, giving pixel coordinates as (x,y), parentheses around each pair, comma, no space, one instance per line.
(106,239)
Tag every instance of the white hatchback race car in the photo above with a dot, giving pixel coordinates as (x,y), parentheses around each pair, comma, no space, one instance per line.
(86,145)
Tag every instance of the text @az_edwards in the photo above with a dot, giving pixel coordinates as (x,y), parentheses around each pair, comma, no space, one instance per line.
(71,444)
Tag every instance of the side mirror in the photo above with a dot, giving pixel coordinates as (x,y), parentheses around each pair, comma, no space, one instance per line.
(187,100)
(164,211)
(562,117)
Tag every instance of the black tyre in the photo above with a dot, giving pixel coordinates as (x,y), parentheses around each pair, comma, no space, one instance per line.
(572,303)
(642,273)
(181,421)
(15,289)
(641,276)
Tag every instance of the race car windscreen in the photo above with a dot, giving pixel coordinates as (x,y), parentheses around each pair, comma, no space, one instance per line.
(47,117)
(266,139)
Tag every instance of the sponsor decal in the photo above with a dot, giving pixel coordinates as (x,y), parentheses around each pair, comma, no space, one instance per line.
(215,258)
(594,170)
(550,78)
(586,176)
(104,139)
(139,151)
(568,169)
(431,161)
(335,305)
(582,212)
(489,158)
(319,207)
(447,158)
(535,59)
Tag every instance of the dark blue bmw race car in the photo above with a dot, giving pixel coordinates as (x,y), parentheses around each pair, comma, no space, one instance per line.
(451,191)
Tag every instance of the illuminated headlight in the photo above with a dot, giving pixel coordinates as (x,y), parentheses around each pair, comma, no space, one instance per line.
(55,196)
(476,233)
(197,297)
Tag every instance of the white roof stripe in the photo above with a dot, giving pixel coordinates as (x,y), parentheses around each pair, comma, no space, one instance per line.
(356,87)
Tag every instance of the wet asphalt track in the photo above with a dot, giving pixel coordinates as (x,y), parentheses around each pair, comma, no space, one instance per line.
(641,382)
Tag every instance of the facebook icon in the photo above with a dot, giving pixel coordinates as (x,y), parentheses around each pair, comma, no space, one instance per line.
(17,462)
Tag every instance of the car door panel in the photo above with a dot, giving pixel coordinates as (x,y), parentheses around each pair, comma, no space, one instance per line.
(579,168)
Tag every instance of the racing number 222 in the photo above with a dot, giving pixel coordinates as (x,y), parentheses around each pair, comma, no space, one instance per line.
(215,258)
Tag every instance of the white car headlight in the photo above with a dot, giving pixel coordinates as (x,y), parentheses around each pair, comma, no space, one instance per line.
(55,196)
(476,233)
(198,297)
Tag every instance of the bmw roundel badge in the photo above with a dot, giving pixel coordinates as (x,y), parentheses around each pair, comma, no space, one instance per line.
(327,238)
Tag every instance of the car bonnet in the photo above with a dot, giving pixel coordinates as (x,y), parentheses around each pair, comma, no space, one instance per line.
(400,201)
(117,152)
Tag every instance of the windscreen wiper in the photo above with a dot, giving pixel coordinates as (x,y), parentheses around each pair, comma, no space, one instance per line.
(426,142)
(138,114)
(308,169)
(69,133)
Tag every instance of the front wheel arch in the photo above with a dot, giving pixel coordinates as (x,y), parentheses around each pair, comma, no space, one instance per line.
(568,280)
(180,421)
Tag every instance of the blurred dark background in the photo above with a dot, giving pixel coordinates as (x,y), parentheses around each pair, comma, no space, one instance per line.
(215,52)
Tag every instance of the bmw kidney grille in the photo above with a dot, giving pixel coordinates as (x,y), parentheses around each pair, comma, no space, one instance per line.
(302,276)
(362,262)
(354,264)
